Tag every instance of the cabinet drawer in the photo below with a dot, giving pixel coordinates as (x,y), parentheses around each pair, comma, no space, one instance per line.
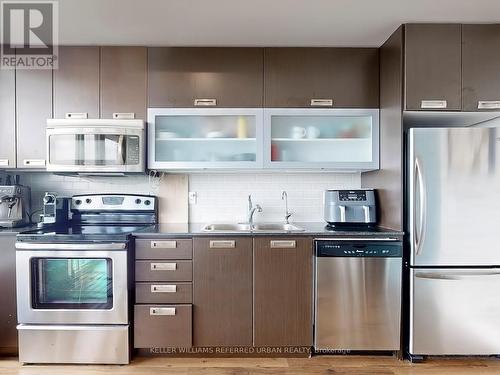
(164,249)
(164,292)
(162,326)
(153,270)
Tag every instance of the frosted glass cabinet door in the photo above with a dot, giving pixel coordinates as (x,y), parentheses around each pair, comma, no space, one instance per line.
(340,139)
(205,138)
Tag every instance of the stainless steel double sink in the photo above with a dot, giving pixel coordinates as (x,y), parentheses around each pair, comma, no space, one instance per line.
(246,227)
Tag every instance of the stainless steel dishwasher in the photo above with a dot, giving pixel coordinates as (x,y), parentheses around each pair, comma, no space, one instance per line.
(357,294)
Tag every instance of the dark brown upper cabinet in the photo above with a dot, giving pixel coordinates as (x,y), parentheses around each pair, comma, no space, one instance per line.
(481,67)
(283,276)
(192,77)
(76,82)
(222,291)
(330,77)
(433,66)
(123,81)
(33,108)
(7,119)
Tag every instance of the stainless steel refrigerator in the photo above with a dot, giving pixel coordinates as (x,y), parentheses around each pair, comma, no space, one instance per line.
(453,179)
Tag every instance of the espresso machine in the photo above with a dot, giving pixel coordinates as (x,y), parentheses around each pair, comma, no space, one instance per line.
(15,205)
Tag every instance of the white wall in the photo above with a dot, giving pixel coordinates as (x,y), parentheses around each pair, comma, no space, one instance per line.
(220,197)
(223,197)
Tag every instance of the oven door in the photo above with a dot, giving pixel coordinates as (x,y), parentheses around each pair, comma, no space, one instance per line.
(82,284)
(95,149)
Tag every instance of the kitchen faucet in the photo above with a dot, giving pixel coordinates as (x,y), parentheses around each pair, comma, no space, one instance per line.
(251,210)
(284,197)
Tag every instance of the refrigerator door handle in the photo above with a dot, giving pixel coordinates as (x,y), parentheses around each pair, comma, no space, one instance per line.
(454,275)
(420,233)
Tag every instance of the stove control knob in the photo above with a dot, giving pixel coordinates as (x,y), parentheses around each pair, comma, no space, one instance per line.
(88,201)
(138,201)
(147,202)
(78,202)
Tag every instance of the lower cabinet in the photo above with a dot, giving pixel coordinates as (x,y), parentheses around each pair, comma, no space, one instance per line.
(162,326)
(222,291)
(163,294)
(283,288)
(8,311)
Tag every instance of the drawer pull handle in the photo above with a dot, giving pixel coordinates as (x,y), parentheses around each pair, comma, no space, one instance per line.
(124,115)
(205,102)
(78,115)
(283,244)
(4,162)
(163,288)
(159,311)
(163,244)
(321,102)
(34,162)
(163,266)
(433,104)
(222,244)
(488,104)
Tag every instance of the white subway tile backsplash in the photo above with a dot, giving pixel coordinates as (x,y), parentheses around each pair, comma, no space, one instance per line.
(223,197)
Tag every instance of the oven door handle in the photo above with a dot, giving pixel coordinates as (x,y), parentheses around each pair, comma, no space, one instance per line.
(71,246)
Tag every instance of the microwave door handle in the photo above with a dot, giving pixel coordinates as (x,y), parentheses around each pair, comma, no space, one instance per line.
(121,149)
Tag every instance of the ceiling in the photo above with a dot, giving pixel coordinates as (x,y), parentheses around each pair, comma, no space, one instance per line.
(256,22)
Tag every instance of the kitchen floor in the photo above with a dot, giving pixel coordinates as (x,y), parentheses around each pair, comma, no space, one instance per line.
(340,365)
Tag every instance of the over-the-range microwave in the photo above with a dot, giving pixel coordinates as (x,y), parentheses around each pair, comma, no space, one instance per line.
(95,145)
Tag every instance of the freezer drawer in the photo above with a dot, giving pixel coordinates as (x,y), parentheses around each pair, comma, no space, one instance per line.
(455,312)
(358,304)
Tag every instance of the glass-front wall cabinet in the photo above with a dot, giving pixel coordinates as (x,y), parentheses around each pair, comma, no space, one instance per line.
(232,138)
(205,138)
(340,139)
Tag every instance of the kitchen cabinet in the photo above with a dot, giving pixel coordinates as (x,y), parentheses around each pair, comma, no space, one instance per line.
(189,77)
(7,119)
(332,77)
(123,81)
(33,108)
(433,74)
(222,291)
(8,308)
(283,277)
(196,138)
(163,307)
(337,139)
(76,82)
(480,67)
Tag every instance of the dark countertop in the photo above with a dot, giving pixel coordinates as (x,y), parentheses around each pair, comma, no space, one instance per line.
(15,231)
(310,229)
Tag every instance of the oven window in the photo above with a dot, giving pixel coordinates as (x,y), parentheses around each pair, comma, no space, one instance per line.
(72,283)
(93,149)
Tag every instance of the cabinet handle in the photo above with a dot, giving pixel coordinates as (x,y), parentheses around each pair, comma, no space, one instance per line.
(78,115)
(124,115)
(34,162)
(156,311)
(433,104)
(163,266)
(163,244)
(488,104)
(205,102)
(283,244)
(4,162)
(321,102)
(163,288)
(222,244)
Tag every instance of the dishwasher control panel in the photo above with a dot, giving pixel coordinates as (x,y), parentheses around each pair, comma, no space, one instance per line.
(358,248)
